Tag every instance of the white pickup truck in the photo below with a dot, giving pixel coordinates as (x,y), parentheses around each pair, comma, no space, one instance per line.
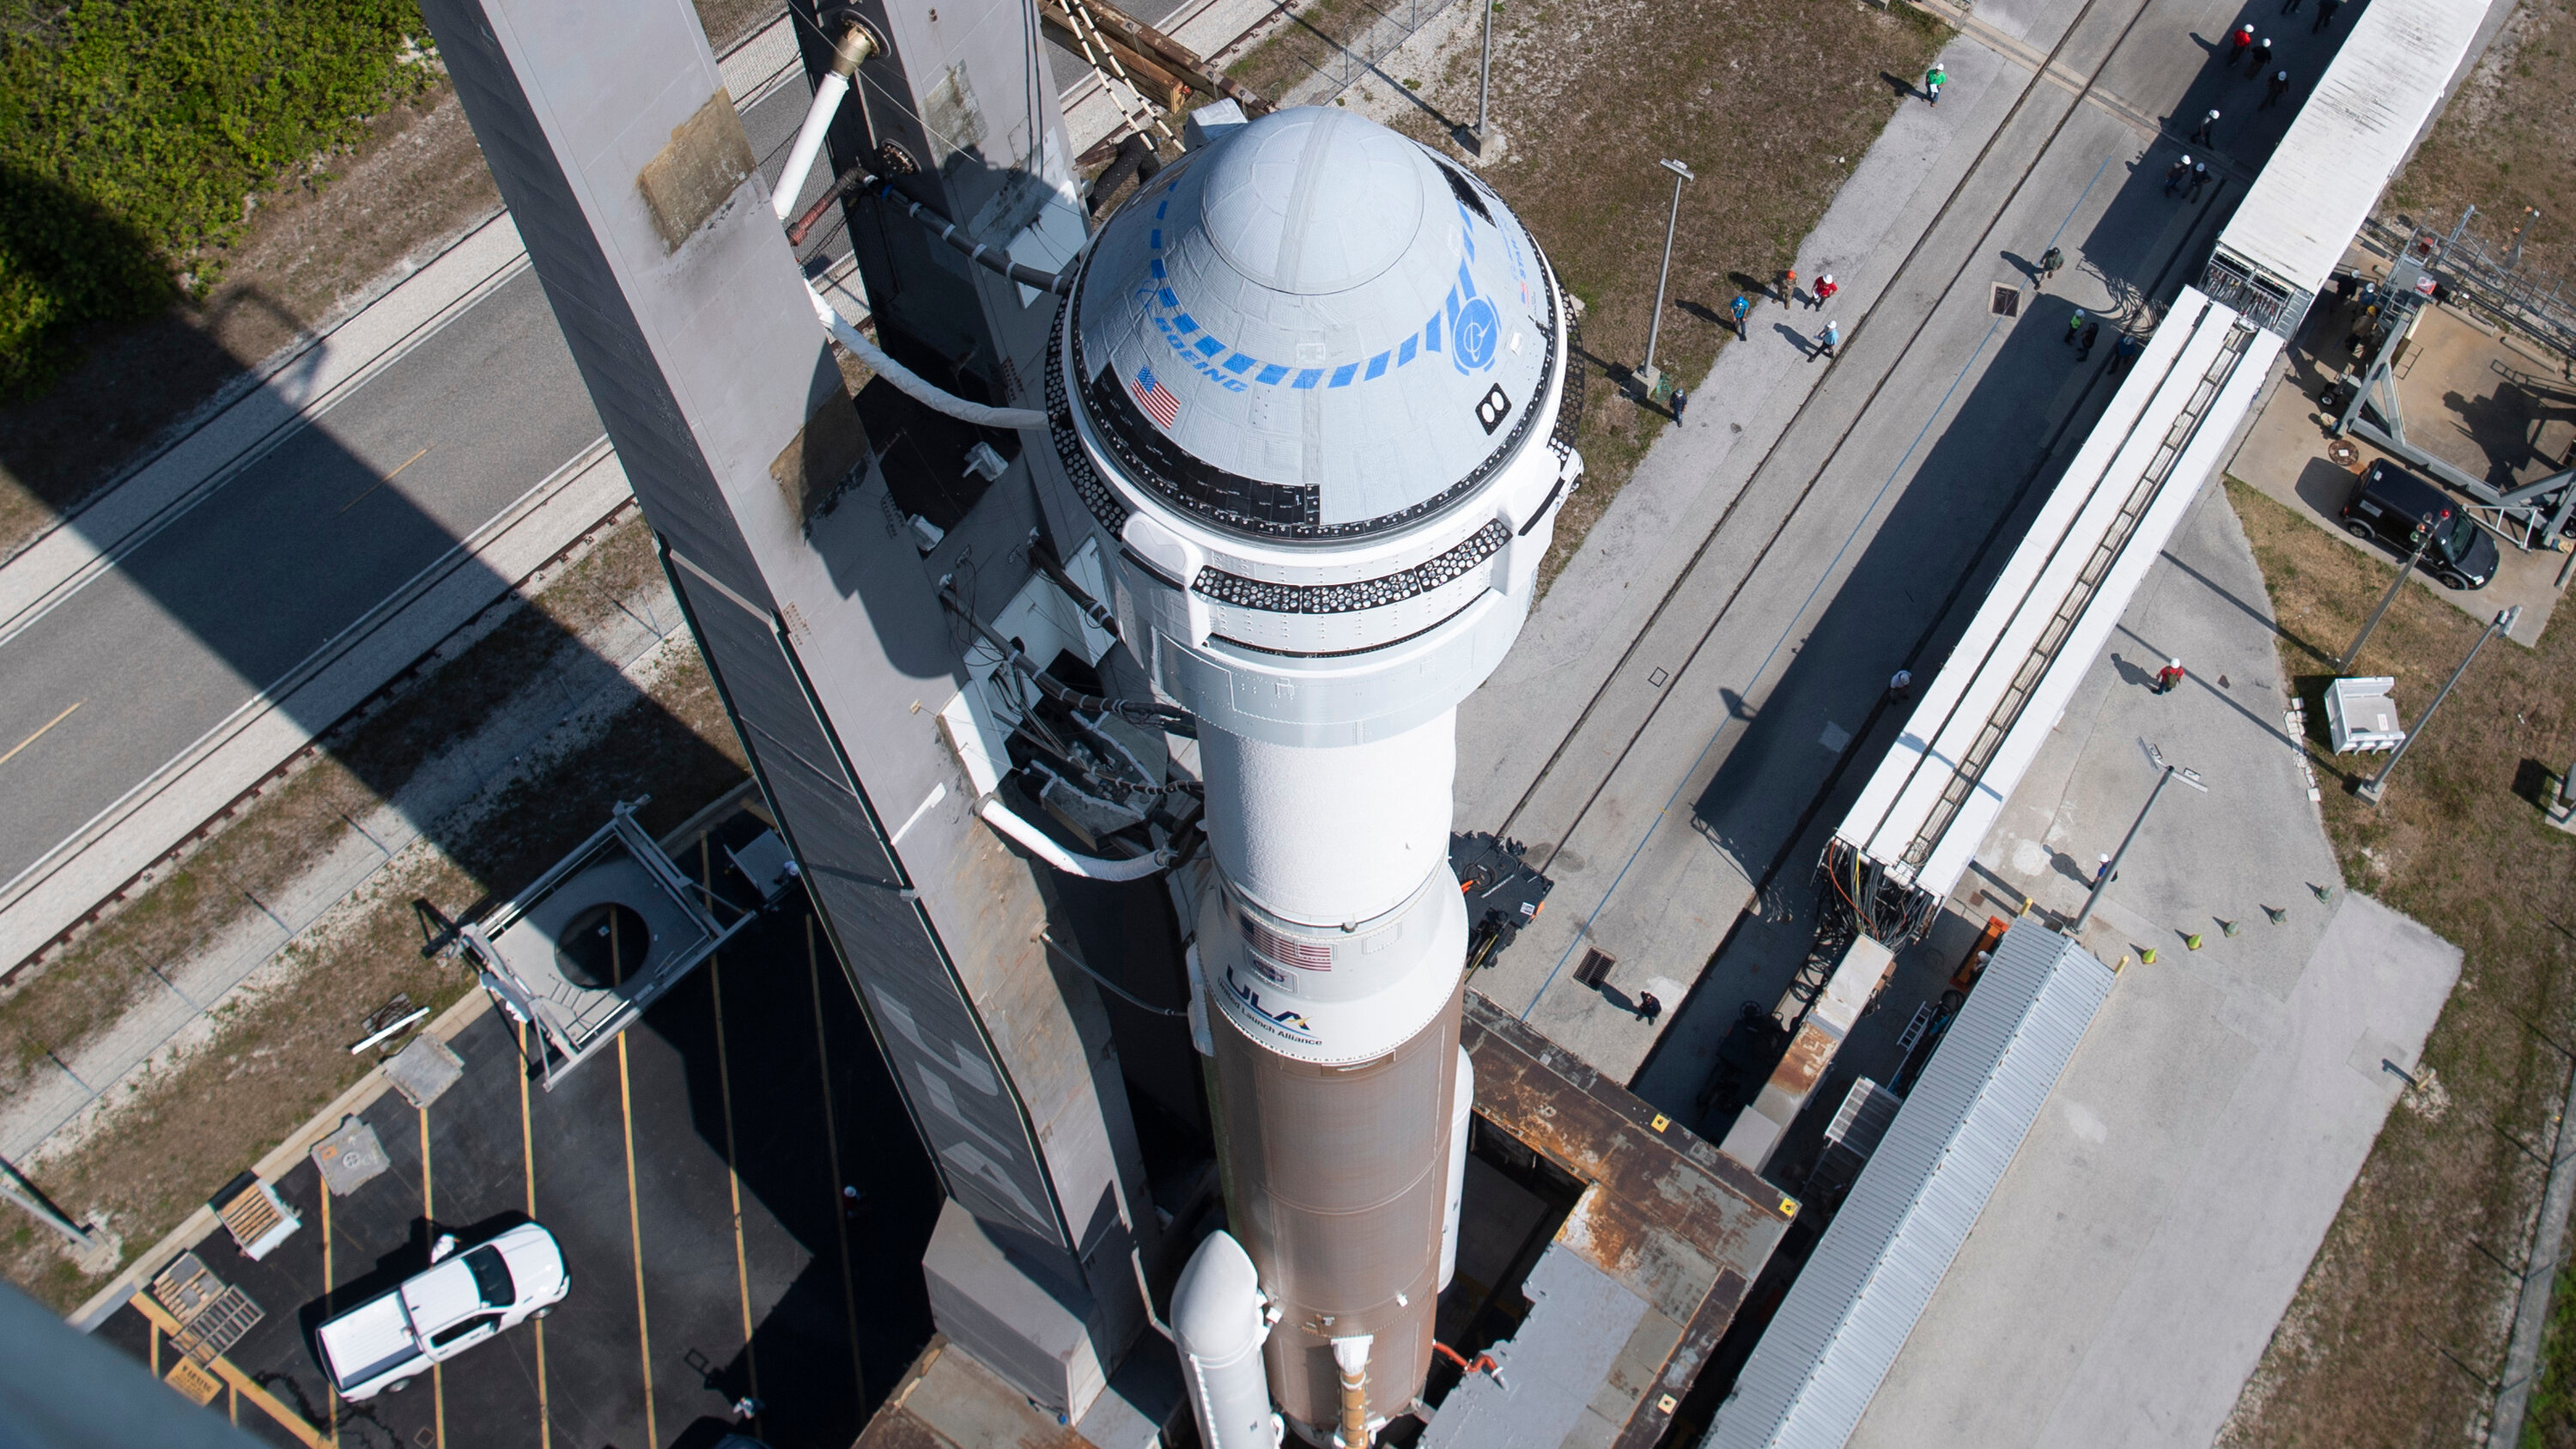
(464,1298)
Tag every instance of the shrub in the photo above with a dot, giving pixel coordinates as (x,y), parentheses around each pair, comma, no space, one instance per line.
(134,134)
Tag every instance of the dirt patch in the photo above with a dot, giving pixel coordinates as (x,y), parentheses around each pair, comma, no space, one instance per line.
(1771,105)
(2401,1325)
(2502,144)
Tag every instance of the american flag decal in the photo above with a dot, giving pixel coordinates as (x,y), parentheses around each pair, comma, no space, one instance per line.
(1154,398)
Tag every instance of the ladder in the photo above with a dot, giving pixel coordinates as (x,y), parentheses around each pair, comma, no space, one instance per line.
(2043,654)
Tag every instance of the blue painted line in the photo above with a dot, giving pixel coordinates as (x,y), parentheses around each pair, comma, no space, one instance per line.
(1764,667)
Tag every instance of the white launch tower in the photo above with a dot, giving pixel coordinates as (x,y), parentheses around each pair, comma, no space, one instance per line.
(1308,385)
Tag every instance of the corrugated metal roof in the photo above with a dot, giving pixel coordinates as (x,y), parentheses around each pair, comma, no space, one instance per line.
(2352,133)
(1852,1306)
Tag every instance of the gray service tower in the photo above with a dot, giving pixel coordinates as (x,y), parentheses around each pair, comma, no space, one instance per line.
(1309,381)
(1300,428)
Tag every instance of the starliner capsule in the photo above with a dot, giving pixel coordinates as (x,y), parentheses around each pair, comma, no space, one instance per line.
(1311,384)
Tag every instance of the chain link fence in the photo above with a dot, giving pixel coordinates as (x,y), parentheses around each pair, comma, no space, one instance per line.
(1344,43)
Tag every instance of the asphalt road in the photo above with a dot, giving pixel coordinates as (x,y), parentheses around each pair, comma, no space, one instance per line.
(294,548)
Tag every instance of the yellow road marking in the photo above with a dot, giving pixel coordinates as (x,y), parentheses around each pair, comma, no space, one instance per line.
(733,1174)
(528,1171)
(437,1372)
(635,1231)
(832,1153)
(381,482)
(242,1383)
(330,1283)
(40,734)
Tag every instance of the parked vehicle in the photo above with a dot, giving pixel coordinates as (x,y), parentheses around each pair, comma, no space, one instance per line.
(464,1298)
(2390,504)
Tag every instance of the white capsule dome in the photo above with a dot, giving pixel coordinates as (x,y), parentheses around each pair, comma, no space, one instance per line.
(1313,329)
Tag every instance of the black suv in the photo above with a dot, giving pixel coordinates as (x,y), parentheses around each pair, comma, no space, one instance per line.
(2392,506)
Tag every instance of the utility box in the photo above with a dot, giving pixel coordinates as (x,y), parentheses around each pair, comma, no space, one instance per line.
(2361,714)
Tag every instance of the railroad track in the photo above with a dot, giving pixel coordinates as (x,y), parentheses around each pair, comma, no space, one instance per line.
(1978,173)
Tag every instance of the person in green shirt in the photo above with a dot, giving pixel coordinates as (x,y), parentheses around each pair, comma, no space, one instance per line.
(1933,80)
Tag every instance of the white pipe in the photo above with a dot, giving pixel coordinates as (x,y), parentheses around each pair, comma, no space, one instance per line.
(809,141)
(1219,1327)
(1460,1112)
(1089,867)
(911,383)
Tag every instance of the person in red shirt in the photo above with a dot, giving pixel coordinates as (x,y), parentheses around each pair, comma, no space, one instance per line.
(2169,676)
(2240,42)
(1825,289)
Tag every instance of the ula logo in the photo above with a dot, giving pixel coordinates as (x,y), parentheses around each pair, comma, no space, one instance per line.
(1290,1023)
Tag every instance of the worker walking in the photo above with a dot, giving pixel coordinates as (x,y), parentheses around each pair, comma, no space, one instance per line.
(1743,305)
(2084,344)
(1827,341)
(1825,288)
(2075,326)
(1649,1007)
(1899,686)
(2325,11)
(2200,135)
(2049,262)
(1788,284)
(2262,56)
(2239,42)
(1933,80)
(2289,7)
(2124,353)
(1681,400)
(2275,88)
(2199,179)
(2175,178)
(2169,677)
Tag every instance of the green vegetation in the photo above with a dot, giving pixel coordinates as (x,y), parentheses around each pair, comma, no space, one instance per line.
(135,136)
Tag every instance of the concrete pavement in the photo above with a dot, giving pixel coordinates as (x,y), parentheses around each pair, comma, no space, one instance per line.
(2127,1274)
(1816,527)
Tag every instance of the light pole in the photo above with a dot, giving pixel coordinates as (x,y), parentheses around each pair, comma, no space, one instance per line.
(15,1187)
(2377,785)
(1652,380)
(1485,77)
(2166,772)
(2423,540)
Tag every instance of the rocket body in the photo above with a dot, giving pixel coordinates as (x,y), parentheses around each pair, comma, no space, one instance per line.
(1307,389)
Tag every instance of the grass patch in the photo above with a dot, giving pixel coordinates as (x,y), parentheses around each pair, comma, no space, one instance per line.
(136,135)
(2404,1315)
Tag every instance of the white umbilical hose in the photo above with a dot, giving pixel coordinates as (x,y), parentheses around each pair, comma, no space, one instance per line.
(911,384)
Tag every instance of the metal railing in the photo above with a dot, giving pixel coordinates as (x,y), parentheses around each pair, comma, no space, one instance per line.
(2486,276)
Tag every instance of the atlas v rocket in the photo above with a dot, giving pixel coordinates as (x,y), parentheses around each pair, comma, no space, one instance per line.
(1302,409)
(1308,381)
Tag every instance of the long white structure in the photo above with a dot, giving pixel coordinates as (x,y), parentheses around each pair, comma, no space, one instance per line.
(1307,390)
(1981,721)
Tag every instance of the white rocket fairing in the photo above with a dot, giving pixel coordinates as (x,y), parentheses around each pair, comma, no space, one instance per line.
(1309,384)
